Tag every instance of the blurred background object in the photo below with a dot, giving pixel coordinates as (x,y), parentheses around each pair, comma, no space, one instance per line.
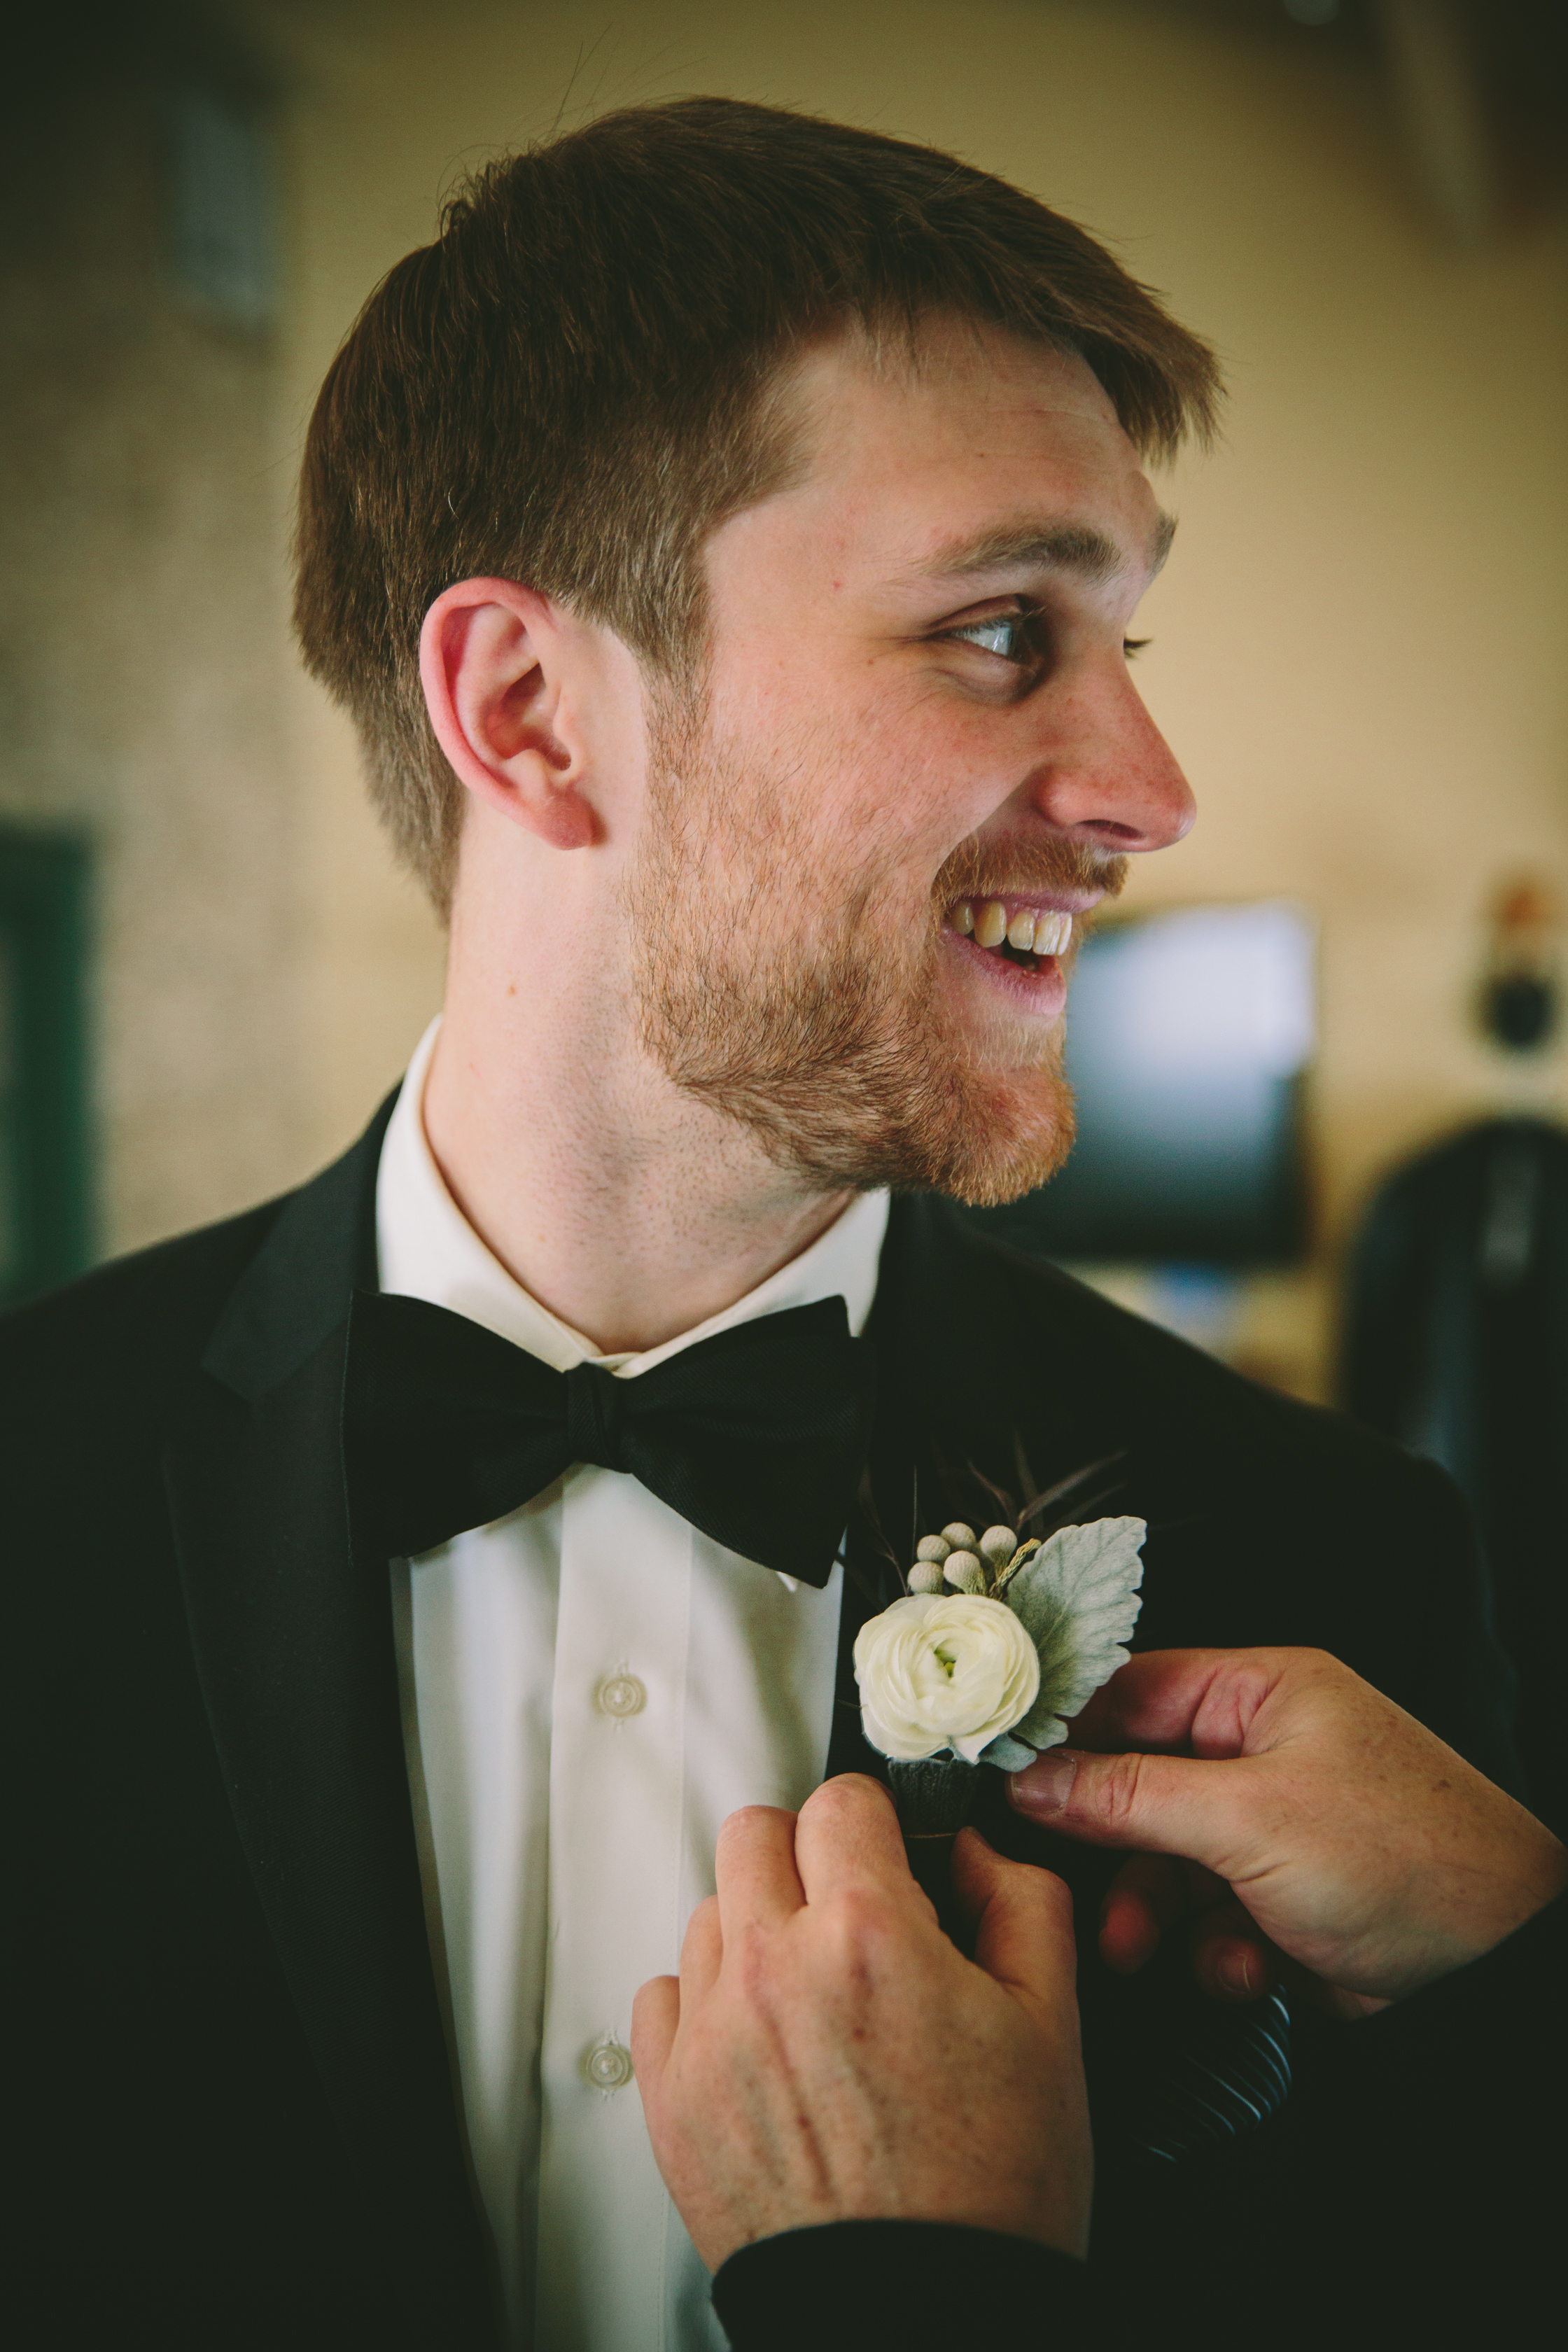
(1190,1038)
(1356,649)
(1456,1324)
(45,1204)
(1521,1003)
(1186,1197)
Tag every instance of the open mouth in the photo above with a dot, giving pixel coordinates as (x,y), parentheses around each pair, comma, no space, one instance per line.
(1027,937)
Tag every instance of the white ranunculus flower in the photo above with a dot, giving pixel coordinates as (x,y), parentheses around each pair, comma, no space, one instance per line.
(942,1671)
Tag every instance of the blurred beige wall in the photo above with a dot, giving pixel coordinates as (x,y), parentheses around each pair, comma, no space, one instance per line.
(1358,645)
(143,654)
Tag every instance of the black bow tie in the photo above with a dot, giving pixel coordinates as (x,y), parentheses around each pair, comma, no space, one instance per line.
(757,1437)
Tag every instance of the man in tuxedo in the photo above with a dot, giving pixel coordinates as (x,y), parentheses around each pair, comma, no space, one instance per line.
(725,538)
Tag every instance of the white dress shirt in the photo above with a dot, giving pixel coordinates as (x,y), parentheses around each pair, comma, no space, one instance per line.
(590,1686)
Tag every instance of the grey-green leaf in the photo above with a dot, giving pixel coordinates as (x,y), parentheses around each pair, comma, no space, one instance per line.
(1008,1755)
(1078,1599)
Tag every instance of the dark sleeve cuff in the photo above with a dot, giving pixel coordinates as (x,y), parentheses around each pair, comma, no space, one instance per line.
(1422,2136)
(924,2285)
(1495,2024)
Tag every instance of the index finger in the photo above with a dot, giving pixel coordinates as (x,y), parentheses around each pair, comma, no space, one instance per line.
(754,1869)
(848,1836)
(1168,1700)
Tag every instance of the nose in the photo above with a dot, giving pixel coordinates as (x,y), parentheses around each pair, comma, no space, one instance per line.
(1107,776)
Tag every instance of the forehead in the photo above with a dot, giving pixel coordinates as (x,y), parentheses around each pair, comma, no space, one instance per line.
(904,461)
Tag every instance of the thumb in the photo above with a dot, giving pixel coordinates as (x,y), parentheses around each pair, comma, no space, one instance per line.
(1153,1804)
(1024,1929)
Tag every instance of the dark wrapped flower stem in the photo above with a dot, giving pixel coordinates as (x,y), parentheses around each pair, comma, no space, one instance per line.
(934,1798)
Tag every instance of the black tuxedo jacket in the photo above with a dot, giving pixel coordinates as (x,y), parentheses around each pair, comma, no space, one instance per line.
(240,2123)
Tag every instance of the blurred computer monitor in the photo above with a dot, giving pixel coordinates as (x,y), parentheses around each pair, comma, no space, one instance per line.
(1188,1036)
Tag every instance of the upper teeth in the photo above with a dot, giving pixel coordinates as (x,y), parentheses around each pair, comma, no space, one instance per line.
(987,921)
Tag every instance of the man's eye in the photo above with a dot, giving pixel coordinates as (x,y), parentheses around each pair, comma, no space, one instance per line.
(1006,634)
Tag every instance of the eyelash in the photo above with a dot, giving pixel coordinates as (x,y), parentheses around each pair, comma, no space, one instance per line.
(1022,621)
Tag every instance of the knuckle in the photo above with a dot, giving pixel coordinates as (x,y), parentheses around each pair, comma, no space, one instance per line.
(864,1924)
(1121,1783)
(748,1821)
(750,1836)
(1047,1895)
(844,1798)
(703,1926)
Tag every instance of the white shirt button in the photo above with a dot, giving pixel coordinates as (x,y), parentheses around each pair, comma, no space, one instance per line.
(608,2066)
(622,1695)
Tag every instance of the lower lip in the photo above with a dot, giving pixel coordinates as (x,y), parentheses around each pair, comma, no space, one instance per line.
(1042,993)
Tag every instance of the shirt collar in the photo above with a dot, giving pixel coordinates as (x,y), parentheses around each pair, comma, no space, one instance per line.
(428,1249)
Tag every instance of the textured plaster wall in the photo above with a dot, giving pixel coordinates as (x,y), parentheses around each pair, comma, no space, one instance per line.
(143,659)
(1358,643)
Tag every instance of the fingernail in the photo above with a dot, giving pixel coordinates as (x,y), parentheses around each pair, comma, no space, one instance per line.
(1234,1969)
(1045,1786)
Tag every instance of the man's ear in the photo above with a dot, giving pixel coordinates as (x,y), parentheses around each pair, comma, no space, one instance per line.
(490,659)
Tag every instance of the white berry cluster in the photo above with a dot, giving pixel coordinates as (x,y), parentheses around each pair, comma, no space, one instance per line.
(961,1561)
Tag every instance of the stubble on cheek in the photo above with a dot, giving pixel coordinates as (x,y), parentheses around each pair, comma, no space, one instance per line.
(788,983)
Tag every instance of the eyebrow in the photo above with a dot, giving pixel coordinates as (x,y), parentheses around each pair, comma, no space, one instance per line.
(1059,547)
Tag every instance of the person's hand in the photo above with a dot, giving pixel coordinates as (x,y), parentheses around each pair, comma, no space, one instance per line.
(828,2055)
(1331,1826)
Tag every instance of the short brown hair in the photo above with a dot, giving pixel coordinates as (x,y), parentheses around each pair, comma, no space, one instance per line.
(569,387)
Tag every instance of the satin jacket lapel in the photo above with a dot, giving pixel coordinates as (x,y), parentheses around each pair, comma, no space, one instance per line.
(291,1627)
(913,1376)
(951,1421)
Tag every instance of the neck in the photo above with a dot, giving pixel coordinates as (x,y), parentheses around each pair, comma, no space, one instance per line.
(627,1209)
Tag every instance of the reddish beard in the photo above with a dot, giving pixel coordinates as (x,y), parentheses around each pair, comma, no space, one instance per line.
(825,1037)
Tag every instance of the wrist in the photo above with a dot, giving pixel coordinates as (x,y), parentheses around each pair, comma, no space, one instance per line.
(1492,1909)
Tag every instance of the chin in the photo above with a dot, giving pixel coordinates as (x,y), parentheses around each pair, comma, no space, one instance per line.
(988,1137)
(1017,1142)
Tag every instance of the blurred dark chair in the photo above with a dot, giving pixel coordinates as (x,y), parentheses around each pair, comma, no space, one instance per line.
(1456,1344)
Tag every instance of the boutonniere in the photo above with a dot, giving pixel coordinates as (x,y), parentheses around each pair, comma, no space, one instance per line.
(997,1643)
